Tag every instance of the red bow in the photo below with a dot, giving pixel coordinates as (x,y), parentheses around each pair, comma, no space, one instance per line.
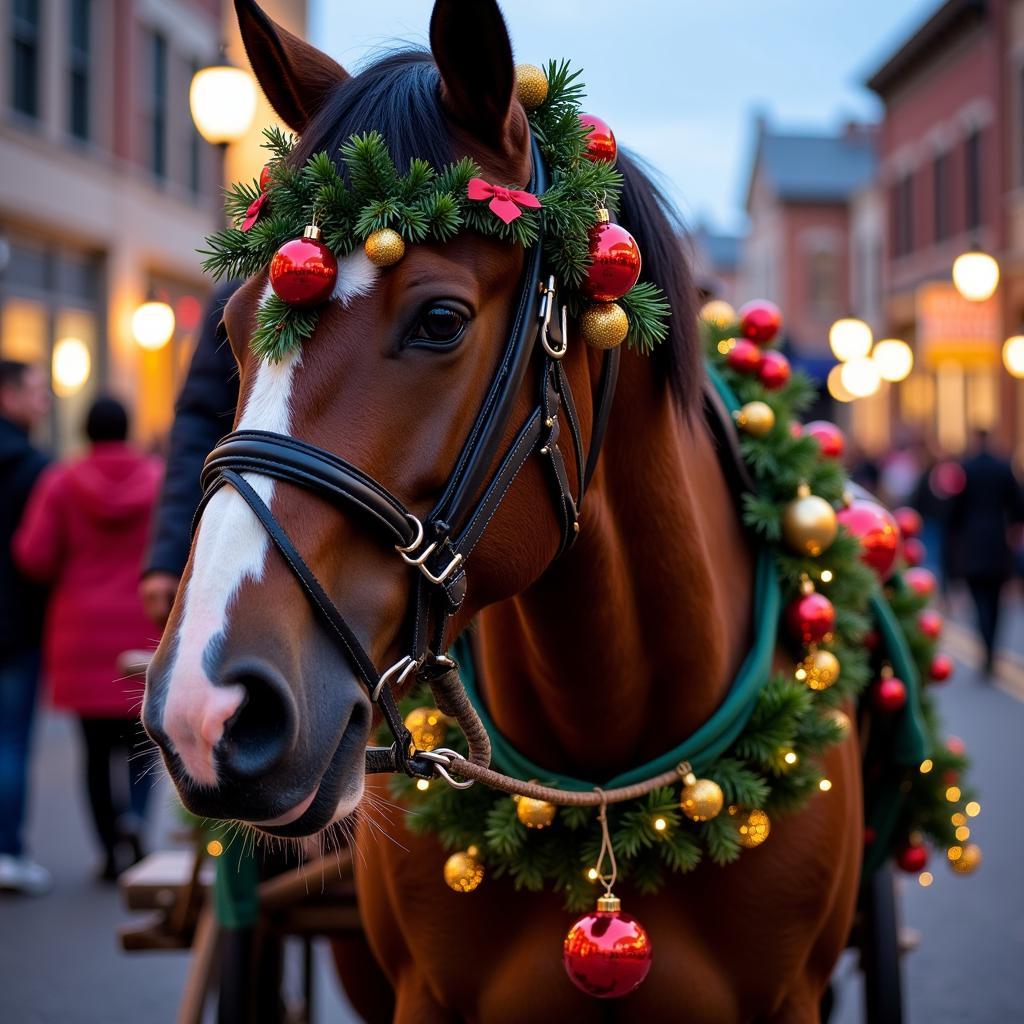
(504,202)
(253,213)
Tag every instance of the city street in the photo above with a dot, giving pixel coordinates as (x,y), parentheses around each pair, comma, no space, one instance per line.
(55,950)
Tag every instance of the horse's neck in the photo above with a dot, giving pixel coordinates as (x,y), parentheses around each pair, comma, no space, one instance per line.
(627,644)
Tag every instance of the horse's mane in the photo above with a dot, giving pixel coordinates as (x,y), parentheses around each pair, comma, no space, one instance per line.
(399,96)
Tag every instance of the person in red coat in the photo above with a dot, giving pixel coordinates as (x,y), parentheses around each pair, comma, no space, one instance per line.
(84,531)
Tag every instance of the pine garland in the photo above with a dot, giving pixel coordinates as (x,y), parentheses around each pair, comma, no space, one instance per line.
(359,190)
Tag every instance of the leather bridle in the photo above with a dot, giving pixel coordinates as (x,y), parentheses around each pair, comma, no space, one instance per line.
(439,546)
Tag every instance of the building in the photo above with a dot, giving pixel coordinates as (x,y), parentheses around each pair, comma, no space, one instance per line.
(107,190)
(797,252)
(715,260)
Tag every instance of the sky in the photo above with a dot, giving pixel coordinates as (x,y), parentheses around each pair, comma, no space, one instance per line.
(679,82)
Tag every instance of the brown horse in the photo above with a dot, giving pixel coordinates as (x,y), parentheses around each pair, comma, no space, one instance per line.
(589,664)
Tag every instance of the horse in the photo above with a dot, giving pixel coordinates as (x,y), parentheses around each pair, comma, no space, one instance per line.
(590,662)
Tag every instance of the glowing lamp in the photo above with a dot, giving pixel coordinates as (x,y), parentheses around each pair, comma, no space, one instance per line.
(835,385)
(894,359)
(71,366)
(975,274)
(849,338)
(223,103)
(153,325)
(1013,355)
(860,377)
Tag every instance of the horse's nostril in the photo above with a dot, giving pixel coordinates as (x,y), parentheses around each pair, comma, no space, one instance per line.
(263,729)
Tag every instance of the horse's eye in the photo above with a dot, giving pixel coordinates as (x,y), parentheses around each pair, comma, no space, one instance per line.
(439,327)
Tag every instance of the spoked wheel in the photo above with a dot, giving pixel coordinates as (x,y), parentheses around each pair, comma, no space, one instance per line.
(880,950)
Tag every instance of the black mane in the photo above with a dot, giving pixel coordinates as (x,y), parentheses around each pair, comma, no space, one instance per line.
(399,96)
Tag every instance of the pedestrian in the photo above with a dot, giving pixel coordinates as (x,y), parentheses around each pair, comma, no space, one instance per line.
(980,518)
(84,531)
(24,403)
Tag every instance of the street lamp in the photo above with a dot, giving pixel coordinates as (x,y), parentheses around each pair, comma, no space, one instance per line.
(153,325)
(860,377)
(850,338)
(1013,355)
(894,359)
(71,365)
(975,274)
(222,99)
(835,384)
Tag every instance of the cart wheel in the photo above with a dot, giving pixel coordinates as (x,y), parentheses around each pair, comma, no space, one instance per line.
(880,950)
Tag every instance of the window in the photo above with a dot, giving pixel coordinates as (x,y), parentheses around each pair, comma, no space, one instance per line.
(940,196)
(25,39)
(78,69)
(903,216)
(823,284)
(158,105)
(972,178)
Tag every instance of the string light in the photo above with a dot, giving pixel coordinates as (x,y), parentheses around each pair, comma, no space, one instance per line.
(926,766)
(591,874)
(973,809)
(726,345)
(959,819)
(214,847)
(963,833)
(955,853)
(825,785)
(826,575)
(790,757)
(953,794)
(660,824)
(423,785)
(925,879)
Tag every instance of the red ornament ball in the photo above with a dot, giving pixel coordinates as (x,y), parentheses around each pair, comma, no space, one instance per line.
(303,272)
(614,262)
(744,356)
(760,321)
(908,520)
(265,178)
(810,618)
(921,581)
(912,858)
(600,140)
(913,551)
(956,746)
(774,371)
(889,695)
(796,428)
(877,532)
(871,640)
(930,623)
(607,954)
(941,668)
(830,438)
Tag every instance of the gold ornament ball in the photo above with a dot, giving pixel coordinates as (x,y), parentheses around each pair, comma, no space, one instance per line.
(701,800)
(531,85)
(821,669)
(753,829)
(755,418)
(384,248)
(427,726)
(604,325)
(809,523)
(841,719)
(718,313)
(968,859)
(462,871)
(534,813)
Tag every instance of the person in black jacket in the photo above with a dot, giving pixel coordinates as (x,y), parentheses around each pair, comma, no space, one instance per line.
(24,402)
(204,413)
(980,517)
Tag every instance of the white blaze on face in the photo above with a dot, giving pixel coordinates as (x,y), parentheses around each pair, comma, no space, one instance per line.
(231,547)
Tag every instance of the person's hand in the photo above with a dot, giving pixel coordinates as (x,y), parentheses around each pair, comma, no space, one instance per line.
(157,591)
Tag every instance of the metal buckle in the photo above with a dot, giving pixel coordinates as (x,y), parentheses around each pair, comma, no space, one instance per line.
(403,550)
(547,305)
(441,758)
(401,668)
(406,552)
(445,573)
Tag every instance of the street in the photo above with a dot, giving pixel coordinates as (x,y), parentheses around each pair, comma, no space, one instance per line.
(60,963)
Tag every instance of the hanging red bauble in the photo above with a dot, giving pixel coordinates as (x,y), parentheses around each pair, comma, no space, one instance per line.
(265,178)
(601,140)
(796,428)
(908,520)
(913,551)
(760,321)
(912,858)
(774,371)
(744,356)
(921,581)
(956,746)
(877,532)
(889,694)
(810,618)
(303,271)
(614,261)
(871,640)
(941,668)
(829,437)
(607,953)
(930,623)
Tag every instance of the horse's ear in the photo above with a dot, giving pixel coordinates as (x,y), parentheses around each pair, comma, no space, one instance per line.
(470,44)
(295,76)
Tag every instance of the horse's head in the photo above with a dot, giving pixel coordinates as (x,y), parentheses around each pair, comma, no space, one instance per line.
(258,711)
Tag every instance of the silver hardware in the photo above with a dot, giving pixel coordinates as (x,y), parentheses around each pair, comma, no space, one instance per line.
(419,560)
(441,758)
(417,540)
(401,668)
(547,305)
(445,573)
